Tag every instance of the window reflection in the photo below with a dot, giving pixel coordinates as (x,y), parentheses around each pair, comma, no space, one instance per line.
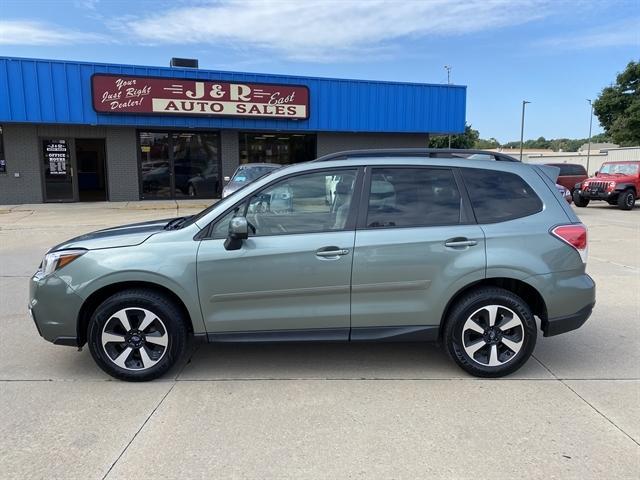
(281,148)
(179,164)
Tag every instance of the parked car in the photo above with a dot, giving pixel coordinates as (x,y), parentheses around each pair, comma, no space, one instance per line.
(459,251)
(570,174)
(246,174)
(565,193)
(617,183)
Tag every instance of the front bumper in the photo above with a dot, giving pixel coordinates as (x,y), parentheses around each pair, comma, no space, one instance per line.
(54,307)
(558,325)
(597,194)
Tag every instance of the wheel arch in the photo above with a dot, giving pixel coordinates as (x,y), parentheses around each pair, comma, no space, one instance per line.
(96,298)
(528,293)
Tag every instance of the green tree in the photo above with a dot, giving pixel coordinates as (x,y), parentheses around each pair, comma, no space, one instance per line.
(465,140)
(487,143)
(618,107)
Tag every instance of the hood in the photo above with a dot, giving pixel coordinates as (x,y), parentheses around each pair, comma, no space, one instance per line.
(607,177)
(122,236)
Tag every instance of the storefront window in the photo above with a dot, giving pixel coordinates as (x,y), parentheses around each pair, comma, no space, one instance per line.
(179,164)
(282,148)
(3,160)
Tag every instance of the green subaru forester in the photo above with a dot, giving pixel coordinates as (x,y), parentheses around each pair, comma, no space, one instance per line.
(464,248)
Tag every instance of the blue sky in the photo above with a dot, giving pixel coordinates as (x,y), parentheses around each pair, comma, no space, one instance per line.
(555,54)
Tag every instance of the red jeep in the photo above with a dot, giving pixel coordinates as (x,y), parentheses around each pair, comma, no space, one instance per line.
(618,183)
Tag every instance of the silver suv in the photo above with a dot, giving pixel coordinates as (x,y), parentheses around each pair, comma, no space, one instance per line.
(411,245)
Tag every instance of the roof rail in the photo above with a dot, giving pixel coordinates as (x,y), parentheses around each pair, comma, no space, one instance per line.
(415,152)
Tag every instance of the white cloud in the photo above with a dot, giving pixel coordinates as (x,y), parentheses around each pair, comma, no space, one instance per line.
(18,32)
(321,29)
(621,34)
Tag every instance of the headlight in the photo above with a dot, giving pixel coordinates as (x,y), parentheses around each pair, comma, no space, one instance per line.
(56,260)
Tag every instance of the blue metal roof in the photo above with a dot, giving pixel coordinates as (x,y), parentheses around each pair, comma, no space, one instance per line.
(54,91)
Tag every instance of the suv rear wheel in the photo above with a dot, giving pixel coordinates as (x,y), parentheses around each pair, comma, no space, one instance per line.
(490,332)
(626,200)
(137,335)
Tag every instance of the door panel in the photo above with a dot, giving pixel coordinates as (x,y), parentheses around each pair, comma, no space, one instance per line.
(405,276)
(276,283)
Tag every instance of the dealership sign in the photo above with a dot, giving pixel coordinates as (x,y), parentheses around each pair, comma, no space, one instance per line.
(171,96)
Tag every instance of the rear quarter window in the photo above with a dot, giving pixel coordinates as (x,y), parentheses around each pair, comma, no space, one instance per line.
(571,170)
(499,196)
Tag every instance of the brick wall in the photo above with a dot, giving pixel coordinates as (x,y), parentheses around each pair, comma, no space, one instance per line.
(21,144)
(22,151)
(230,151)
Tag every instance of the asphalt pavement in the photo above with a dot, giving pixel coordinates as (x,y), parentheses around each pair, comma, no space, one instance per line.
(325,410)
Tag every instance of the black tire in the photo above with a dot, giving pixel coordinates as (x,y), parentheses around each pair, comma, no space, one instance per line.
(579,201)
(626,200)
(507,303)
(169,325)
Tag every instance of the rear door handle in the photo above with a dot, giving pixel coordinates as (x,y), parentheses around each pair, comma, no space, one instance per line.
(331,252)
(460,242)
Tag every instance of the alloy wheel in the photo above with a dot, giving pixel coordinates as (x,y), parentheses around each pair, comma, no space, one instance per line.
(492,335)
(134,339)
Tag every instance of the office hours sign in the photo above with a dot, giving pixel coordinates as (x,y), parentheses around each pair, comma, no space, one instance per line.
(56,156)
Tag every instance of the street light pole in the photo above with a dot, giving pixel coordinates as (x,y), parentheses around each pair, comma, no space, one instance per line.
(448,69)
(590,125)
(524,102)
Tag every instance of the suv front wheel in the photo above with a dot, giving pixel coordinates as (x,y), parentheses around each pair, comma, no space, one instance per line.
(490,332)
(137,335)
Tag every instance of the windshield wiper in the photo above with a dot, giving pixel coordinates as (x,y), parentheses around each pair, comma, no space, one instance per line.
(176,223)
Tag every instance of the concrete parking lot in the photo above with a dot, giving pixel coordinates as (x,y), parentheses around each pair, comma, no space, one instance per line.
(320,411)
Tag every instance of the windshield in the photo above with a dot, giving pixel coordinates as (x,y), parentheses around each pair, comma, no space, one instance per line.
(250,173)
(619,168)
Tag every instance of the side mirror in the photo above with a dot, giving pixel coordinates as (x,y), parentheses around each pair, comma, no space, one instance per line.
(597,172)
(238,231)
(226,179)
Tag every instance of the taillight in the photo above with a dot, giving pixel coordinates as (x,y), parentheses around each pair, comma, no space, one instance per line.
(574,235)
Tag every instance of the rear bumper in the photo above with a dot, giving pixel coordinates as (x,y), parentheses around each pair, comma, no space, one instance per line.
(558,325)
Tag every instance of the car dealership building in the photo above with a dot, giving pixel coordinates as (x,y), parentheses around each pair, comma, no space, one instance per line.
(77,131)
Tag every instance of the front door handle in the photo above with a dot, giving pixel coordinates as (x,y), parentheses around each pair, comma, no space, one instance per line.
(460,242)
(331,252)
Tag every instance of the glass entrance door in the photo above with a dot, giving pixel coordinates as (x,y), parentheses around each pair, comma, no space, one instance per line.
(58,172)
(155,165)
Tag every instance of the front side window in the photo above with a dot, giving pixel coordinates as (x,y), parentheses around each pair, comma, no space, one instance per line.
(309,203)
(413,197)
(499,196)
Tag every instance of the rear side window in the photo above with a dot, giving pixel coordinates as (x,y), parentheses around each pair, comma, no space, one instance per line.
(568,169)
(499,196)
(413,197)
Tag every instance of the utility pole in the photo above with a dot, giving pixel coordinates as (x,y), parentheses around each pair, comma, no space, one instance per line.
(590,125)
(524,102)
(448,69)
